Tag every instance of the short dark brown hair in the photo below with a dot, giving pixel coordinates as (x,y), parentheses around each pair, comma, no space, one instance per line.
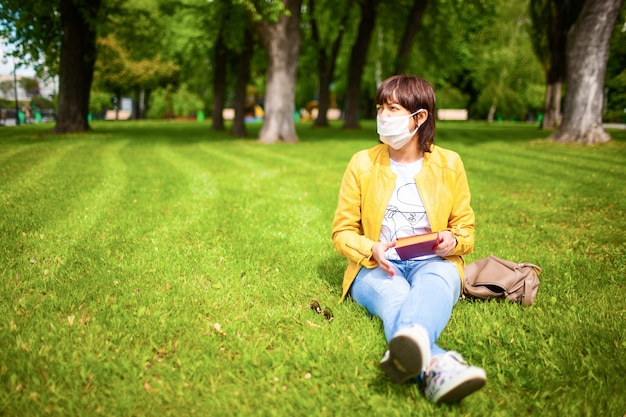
(412,93)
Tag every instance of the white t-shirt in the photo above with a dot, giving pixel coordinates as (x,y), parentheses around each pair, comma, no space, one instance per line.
(405,214)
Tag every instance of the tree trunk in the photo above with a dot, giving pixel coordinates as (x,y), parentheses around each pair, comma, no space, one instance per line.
(118,100)
(141,104)
(219,83)
(326,66)
(492,111)
(552,106)
(146,96)
(78,56)
(552,20)
(323,97)
(137,97)
(357,63)
(561,21)
(587,56)
(413,24)
(282,45)
(243,75)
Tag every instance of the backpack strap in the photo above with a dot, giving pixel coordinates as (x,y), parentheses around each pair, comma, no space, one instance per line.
(527,292)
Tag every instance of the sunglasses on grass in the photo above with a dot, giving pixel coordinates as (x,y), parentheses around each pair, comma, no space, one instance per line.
(326,312)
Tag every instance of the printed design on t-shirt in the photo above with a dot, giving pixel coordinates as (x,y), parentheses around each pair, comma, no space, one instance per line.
(405,213)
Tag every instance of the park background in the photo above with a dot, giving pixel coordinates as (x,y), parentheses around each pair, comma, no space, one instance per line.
(165,266)
(497,60)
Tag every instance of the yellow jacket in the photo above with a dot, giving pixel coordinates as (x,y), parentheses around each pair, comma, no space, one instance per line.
(366,188)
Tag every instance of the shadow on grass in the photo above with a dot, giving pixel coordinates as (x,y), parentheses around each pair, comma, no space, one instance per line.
(476,133)
(139,132)
(330,270)
(469,133)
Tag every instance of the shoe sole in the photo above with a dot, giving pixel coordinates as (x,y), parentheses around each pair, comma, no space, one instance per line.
(406,359)
(471,385)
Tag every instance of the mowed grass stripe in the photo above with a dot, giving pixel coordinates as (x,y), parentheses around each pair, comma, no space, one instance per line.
(188,291)
(557,183)
(257,182)
(82,199)
(13,154)
(535,163)
(100,297)
(258,283)
(259,217)
(27,171)
(40,206)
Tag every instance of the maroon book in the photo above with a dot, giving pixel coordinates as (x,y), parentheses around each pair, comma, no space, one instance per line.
(417,245)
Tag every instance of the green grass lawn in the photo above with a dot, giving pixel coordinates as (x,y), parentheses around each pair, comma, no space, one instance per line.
(155,268)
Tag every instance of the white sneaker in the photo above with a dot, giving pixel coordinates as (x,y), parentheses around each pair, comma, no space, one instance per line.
(449,379)
(408,354)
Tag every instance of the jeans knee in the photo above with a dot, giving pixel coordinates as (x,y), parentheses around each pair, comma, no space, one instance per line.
(446,273)
(377,292)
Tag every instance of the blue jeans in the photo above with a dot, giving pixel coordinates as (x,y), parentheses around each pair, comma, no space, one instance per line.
(421,292)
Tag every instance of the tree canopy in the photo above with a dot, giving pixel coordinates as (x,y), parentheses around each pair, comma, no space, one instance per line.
(496,59)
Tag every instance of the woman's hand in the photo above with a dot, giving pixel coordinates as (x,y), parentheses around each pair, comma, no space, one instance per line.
(378,253)
(446,244)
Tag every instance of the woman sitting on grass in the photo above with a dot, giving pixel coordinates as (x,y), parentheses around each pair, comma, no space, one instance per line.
(402,187)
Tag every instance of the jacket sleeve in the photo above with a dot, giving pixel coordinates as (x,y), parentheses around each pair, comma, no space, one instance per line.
(347,229)
(461,221)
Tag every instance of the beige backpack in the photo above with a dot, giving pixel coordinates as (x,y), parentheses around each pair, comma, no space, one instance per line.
(493,277)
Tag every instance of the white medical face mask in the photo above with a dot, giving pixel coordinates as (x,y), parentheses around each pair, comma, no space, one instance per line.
(394,131)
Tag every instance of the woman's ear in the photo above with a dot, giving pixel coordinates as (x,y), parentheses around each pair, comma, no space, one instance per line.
(422,117)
